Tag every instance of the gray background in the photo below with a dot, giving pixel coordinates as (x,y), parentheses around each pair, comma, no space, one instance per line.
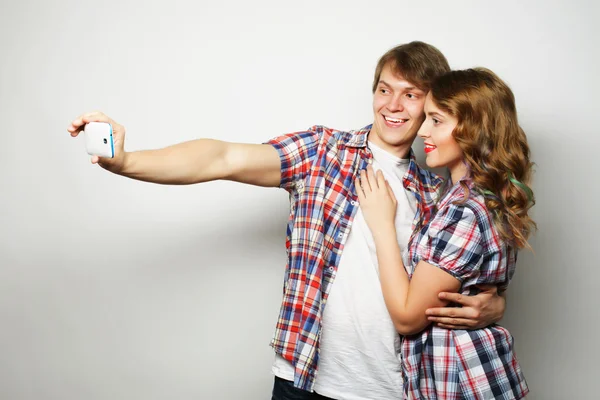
(117,289)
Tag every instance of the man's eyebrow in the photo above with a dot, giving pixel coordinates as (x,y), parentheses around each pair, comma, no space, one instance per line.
(416,88)
(408,88)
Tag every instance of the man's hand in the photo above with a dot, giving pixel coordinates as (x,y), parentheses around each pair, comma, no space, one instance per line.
(477,311)
(116,163)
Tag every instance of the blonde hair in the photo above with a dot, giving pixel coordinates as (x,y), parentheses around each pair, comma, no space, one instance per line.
(494,146)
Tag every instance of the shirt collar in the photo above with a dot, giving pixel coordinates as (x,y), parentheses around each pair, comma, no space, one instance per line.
(415,174)
(455,191)
(358,137)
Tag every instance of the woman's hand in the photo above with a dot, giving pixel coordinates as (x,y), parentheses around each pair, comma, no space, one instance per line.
(377,201)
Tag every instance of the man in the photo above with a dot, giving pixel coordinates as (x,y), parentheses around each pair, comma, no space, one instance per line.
(334,337)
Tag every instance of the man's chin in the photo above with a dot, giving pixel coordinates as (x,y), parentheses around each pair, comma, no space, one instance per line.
(395,136)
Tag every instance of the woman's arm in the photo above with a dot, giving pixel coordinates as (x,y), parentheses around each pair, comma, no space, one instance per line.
(406,300)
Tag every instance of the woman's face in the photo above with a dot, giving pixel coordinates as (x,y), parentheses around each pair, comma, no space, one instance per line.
(441,148)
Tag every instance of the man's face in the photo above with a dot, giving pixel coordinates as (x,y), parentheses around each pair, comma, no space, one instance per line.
(398,113)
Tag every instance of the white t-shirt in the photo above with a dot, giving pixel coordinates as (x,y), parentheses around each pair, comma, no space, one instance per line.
(359,346)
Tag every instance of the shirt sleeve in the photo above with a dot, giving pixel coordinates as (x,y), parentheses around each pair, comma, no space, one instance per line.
(454,242)
(296,152)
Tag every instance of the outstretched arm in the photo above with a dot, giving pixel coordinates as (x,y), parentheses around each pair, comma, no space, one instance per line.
(190,162)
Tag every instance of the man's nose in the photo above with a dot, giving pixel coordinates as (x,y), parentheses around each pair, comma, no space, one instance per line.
(396,103)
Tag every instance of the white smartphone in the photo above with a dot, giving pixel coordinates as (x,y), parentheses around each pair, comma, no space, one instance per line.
(99,139)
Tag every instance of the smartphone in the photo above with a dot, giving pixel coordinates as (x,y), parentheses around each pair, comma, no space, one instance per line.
(99,139)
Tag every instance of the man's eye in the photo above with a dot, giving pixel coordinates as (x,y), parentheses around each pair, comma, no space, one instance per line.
(435,121)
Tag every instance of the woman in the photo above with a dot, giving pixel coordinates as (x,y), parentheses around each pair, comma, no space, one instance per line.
(469,238)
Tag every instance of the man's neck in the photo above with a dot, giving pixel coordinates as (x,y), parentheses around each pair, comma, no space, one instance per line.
(400,151)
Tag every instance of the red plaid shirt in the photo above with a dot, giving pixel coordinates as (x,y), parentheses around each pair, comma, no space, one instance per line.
(462,364)
(318,169)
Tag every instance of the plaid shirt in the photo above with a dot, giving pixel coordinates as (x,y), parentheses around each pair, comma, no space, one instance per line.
(318,169)
(462,364)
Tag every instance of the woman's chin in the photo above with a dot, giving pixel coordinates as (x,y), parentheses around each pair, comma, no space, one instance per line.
(431,163)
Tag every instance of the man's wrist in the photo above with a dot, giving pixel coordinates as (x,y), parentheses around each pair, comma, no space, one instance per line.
(500,307)
(127,166)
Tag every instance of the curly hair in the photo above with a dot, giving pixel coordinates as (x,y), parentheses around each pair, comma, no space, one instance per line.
(494,146)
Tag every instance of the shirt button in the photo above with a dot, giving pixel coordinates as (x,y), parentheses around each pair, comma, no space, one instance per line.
(331,269)
(340,235)
(353,202)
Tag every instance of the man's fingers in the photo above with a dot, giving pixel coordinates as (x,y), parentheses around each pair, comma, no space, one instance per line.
(75,126)
(95,117)
(455,327)
(457,298)
(453,323)
(73,130)
(492,289)
(78,123)
(452,312)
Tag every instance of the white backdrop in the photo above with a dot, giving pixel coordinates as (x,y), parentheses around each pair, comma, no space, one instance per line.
(117,289)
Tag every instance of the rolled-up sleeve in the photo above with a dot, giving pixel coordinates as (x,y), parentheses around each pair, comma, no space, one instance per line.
(297,152)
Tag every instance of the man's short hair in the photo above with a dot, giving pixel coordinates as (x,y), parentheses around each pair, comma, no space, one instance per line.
(417,62)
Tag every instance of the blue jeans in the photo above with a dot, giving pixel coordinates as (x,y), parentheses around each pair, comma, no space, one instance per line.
(285,390)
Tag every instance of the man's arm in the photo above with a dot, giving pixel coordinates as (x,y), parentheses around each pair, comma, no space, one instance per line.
(477,311)
(190,162)
(204,160)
